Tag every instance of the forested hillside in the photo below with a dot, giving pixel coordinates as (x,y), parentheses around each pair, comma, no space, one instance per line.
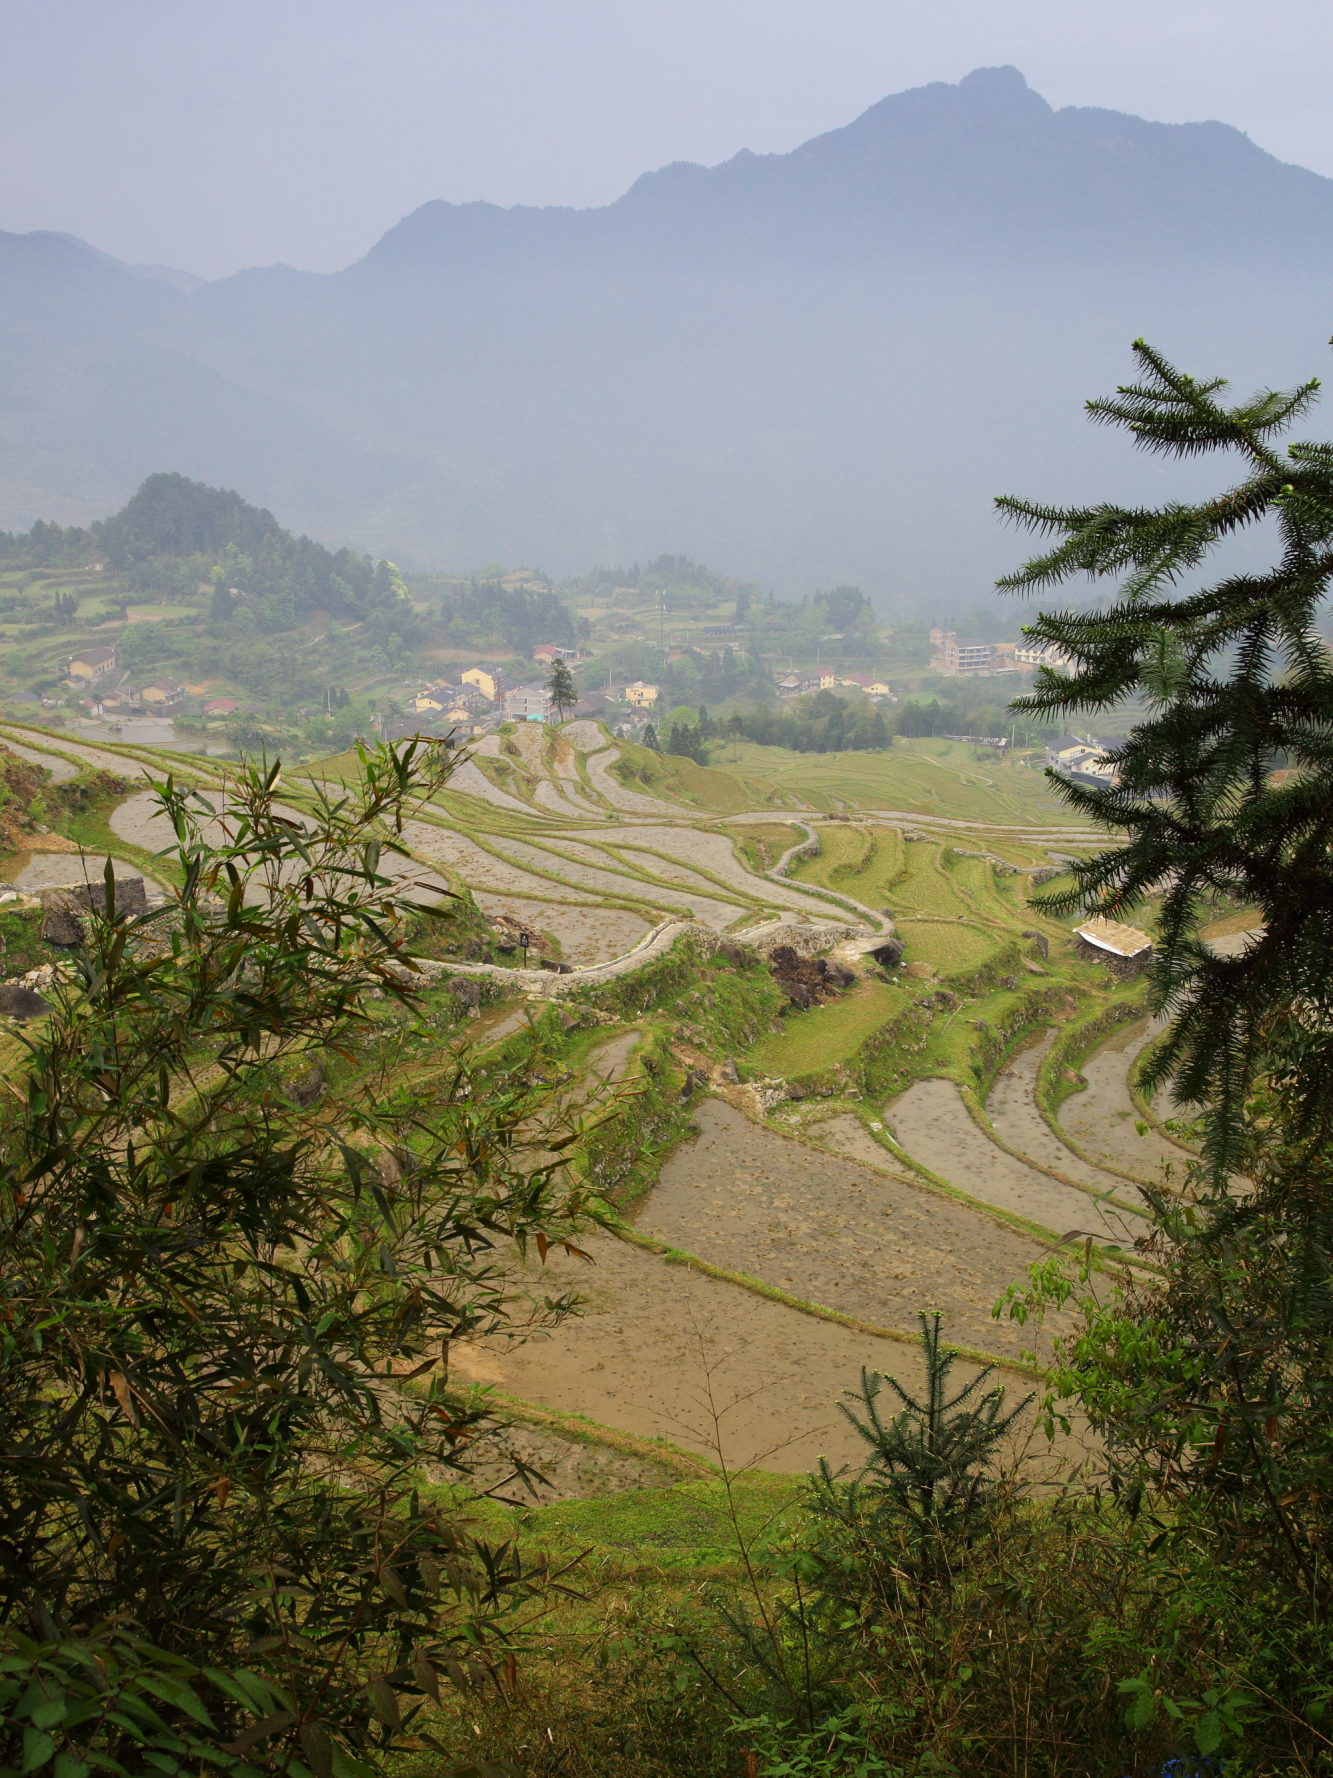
(175,533)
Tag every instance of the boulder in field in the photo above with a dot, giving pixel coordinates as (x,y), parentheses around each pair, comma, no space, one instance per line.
(61,917)
(18,1002)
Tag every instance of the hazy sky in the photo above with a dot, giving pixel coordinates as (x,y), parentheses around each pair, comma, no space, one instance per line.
(213,134)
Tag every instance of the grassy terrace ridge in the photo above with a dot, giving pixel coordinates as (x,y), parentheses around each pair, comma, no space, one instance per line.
(680,1257)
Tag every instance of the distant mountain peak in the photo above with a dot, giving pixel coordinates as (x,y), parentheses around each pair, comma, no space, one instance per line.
(995,80)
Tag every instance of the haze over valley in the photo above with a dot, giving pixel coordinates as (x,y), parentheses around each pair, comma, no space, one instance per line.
(806,369)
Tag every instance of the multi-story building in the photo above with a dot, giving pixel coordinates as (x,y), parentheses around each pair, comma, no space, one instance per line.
(964,656)
(641,695)
(527,703)
(956,658)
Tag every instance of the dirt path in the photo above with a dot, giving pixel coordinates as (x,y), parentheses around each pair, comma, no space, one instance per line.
(932,1124)
(658,1349)
(1103,1119)
(832,1231)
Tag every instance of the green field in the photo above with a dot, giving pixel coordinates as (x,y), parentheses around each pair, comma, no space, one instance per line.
(927,777)
(948,949)
(828,1034)
(685,1528)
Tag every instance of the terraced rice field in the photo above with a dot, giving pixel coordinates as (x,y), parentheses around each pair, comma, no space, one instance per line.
(825,1211)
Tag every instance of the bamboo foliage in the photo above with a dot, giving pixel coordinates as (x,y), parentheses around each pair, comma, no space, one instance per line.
(213,1279)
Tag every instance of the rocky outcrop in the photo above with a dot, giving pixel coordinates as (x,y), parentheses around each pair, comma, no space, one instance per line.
(66,905)
(806,981)
(62,917)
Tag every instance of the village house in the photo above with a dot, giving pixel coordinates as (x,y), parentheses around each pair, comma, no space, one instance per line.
(488,680)
(1083,761)
(642,696)
(1123,949)
(547,652)
(164,696)
(94,665)
(1041,654)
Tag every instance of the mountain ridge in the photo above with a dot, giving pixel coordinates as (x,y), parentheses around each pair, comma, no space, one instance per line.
(762,364)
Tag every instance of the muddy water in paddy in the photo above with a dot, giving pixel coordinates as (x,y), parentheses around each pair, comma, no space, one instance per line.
(1013,1111)
(658,1348)
(60,769)
(48,870)
(931,1122)
(829,1230)
(1102,1119)
(586,935)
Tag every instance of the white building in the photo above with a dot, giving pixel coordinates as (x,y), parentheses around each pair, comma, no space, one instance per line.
(1042,654)
(1083,761)
(527,703)
(959,659)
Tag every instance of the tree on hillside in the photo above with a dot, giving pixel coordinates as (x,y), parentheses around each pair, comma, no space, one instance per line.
(564,693)
(237,1241)
(1225,785)
(650,739)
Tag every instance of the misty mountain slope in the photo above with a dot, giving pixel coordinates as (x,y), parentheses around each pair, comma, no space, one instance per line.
(811,368)
(984,167)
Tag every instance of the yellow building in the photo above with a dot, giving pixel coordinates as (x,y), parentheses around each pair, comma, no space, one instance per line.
(164,695)
(486,679)
(642,696)
(94,664)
